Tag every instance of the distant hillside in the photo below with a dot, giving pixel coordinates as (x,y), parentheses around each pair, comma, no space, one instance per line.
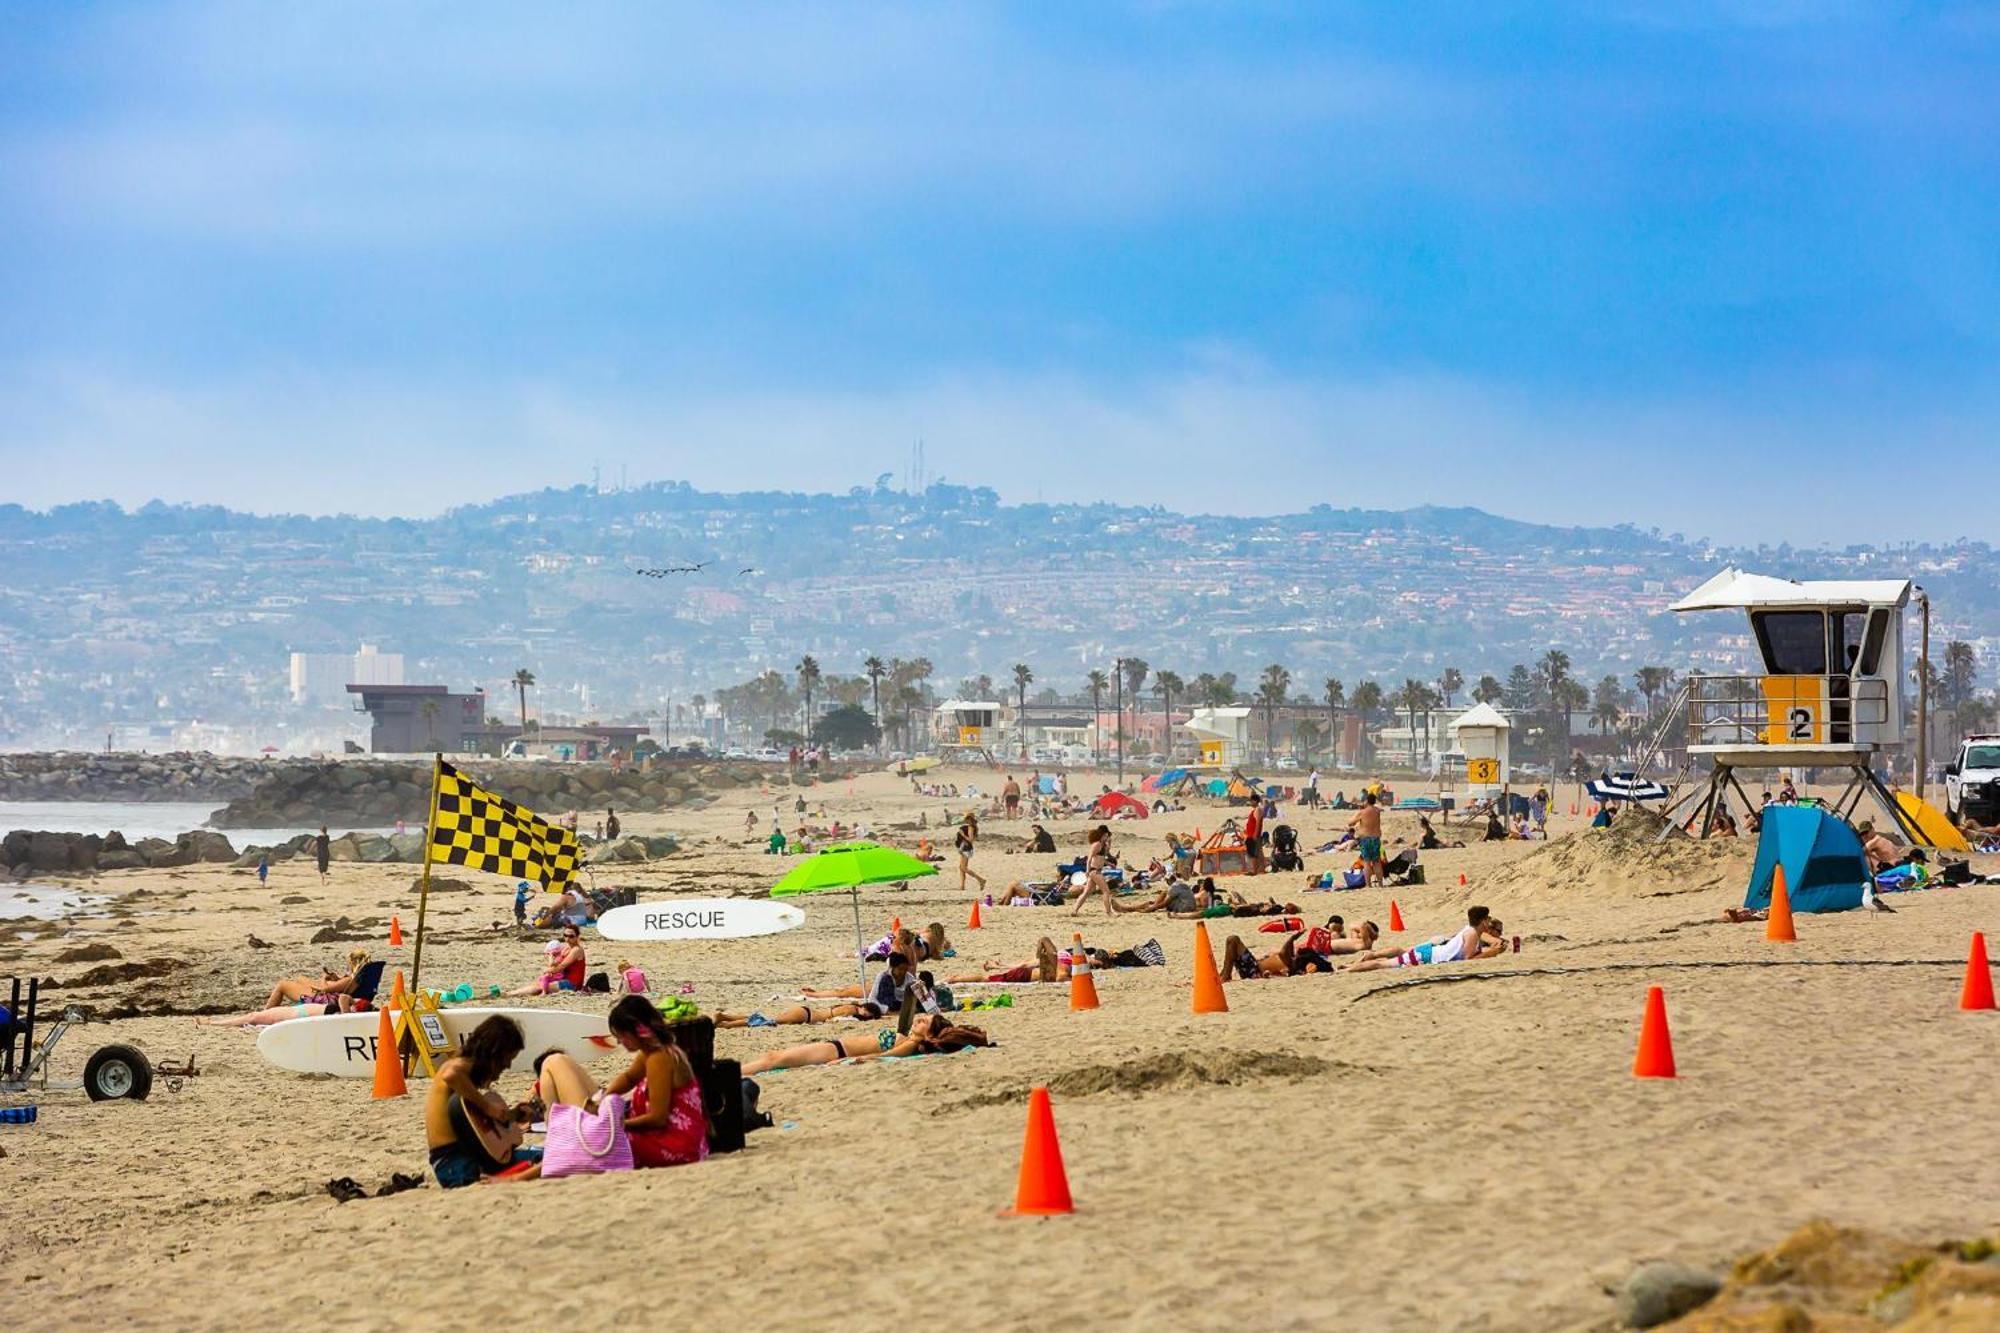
(110,617)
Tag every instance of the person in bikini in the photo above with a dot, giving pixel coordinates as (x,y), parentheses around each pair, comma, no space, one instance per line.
(1289,960)
(798,1014)
(325,991)
(1095,861)
(471,1131)
(665,1119)
(930,1034)
(1047,965)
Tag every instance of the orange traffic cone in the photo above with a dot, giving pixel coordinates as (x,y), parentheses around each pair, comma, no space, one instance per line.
(1208,996)
(1978,990)
(1779,925)
(396,991)
(1043,1188)
(388,1062)
(1082,989)
(1395,916)
(395,932)
(895,926)
(973,924)
(1656,1046)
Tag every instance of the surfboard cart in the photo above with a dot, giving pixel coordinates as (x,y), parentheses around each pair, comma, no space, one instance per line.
(112,1072)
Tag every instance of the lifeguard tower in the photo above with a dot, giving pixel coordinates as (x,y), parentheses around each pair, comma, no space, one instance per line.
(1221,734)
(1483,732)
(1830,695)
(966,729)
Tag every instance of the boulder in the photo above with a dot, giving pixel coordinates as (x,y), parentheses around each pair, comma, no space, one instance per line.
(1658,1291)
(208,845)
(121,860)
(48,852)
(83,851)
(408,846)
(373,847)
(346,847)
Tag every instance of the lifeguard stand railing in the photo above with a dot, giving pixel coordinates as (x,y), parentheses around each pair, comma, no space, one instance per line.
(1734,713)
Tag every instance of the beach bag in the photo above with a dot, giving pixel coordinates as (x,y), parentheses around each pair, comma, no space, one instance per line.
(722,1102)
(583,1142)
(1354,879)
(1284,925)
(599,982)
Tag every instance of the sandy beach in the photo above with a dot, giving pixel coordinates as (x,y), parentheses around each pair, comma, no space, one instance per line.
(1462,1147)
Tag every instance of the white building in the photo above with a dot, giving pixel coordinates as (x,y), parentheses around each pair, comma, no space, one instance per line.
(323,678)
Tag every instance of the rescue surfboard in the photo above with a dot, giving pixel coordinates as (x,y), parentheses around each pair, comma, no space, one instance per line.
(699,919)
(344,1044)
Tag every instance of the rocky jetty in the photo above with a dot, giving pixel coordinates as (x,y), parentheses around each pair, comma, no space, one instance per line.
(381,792)
(81,776)
(27,853)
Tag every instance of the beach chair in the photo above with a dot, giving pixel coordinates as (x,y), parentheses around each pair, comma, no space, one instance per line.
(366,982)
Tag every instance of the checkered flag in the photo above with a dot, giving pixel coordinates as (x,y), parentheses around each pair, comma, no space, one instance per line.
(472,827)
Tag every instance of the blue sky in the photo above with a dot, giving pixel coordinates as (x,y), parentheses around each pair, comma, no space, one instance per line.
(1731,272)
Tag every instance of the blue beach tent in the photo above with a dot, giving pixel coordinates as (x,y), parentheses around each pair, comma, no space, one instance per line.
(1825,870)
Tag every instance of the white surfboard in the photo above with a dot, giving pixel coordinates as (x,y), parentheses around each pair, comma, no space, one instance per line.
(699,919)
(344,1044)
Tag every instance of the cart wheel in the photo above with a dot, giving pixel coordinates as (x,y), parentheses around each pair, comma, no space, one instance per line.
(117,1071)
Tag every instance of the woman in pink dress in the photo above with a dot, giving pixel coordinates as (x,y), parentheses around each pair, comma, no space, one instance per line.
(664,1116)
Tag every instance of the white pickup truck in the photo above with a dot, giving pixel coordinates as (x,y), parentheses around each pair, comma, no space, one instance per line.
(1972,781)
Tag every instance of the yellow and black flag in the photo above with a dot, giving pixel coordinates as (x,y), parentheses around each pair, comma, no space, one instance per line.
(472,827)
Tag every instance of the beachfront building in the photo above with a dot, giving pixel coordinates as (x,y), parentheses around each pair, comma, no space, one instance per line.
(421,719)
(1221,735)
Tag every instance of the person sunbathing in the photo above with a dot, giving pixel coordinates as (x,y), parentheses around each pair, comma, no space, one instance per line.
(799,1014)
(930,1034)
(1175,898)
(665,1119)
(326,991)
(1478,939)
(1244,907)
(262,1018)
(1289,960)
(1047,965)
(469,1128)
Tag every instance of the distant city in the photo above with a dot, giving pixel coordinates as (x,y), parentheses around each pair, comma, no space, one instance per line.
(175,627)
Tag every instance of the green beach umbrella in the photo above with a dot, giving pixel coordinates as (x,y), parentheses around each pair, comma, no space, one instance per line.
(847,866)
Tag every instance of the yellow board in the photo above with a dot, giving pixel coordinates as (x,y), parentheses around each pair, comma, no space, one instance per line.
(1796,706)
(416,1015)
(1482,770)
(968,735)
(1930,821)
(1211,752)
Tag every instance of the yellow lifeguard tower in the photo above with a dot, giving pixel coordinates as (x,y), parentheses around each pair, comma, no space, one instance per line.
(1830,695)
(1222,734)
(962,725)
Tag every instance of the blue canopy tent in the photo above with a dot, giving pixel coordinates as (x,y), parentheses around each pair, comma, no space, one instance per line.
(1825,870)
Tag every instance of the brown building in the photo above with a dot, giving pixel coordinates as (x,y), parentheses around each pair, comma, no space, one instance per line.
(421,719)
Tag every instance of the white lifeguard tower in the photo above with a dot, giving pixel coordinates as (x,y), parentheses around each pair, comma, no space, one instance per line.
(1221,734)
(1830,695)
(1483,733)
(962,725)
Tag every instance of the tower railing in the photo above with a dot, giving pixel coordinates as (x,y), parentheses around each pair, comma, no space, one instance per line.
(1776,710)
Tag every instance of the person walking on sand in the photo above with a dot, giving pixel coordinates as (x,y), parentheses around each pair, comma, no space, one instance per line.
(1010,796)
(322,853)
(263,870)
(610,824)
(967,842)
(1366,826)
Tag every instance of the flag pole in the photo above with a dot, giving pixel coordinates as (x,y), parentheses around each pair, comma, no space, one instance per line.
(424,888)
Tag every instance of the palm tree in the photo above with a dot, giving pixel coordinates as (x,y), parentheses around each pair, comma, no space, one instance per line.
(1335,694)
(523,678)
(1305,738)
(1411,698)
(1023,678)
(1272,687)
(908,696)
(1554,670)
(809,676)
(1605,706)
(1450,683)
(1166,684)
(874,669)
(1489,690)
(1367,701)
(1097,680)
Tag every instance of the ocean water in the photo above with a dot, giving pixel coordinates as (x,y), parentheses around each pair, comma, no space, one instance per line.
(41,902)
(139,819)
